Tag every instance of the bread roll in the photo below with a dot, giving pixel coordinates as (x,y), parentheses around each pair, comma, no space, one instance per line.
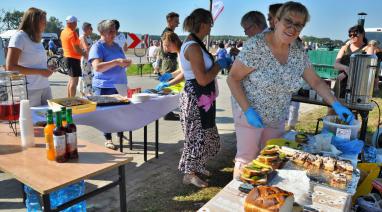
(269,199)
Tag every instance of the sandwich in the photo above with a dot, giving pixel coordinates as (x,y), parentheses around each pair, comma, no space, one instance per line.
(270,150)
(254,180)
(256,169)
(270,156)
(255,173)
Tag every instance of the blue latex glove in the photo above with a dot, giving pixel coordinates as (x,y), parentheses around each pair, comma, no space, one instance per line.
(162,85)
(165,77)
(253,118)
(222,63)
(346,146)
(343,112)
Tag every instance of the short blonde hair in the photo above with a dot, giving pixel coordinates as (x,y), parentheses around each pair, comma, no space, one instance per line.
(105,25)
(295,8)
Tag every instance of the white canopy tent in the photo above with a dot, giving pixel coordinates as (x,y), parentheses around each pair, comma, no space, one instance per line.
(8,34)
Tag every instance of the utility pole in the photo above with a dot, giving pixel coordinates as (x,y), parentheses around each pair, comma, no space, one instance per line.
(208,36)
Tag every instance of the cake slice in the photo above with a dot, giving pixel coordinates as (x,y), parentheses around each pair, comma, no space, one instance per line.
(328,163)
(344,166)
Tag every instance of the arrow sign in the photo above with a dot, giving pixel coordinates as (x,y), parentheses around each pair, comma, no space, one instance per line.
(132,40)
(137,41)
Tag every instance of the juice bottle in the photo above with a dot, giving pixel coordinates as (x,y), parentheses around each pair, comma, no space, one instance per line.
(59,140)
(71,136)
(63,114)
(48,131)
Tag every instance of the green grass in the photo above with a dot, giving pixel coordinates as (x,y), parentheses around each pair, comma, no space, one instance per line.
(134,69)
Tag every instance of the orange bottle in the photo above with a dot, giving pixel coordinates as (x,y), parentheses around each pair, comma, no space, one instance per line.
(48,132)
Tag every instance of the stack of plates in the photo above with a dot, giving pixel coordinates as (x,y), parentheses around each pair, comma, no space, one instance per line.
(140,97)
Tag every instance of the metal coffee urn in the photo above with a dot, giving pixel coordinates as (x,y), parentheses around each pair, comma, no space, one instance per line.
(360,82)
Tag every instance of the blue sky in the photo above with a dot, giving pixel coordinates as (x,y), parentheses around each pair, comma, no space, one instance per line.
(329,18)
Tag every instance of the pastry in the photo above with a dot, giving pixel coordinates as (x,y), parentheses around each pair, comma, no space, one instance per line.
(344,166)
(328,163)
(339,180)
(268,199)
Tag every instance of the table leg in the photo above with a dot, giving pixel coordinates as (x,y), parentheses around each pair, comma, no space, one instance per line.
(156,138)
(365,118)
(122,188)
(131,140)
(23,193)
(145,143)
(46,202)
(120,143)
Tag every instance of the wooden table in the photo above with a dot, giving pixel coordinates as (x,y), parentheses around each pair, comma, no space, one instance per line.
(31,168)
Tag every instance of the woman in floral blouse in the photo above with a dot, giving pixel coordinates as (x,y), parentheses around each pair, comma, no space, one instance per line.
(271,66)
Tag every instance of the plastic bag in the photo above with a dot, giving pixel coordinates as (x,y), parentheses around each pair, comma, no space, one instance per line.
(370,154)
(322,142)
(348,147)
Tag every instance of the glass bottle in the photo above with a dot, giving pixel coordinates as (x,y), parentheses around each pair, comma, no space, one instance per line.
(71,136)
(48,132)
(63,114)
(59,140)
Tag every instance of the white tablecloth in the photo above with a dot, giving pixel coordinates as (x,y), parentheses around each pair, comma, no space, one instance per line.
(111,119)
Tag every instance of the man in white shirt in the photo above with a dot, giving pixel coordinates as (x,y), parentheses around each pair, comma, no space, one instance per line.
(153,51)
(120,38)
(153,56)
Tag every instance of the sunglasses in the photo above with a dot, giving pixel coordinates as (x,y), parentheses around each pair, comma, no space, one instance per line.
(354,34)
(288,23)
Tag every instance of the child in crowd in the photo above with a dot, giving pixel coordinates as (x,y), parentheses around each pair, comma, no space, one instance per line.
(221,54)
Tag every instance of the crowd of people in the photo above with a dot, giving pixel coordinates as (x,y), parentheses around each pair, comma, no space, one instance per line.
(264,72)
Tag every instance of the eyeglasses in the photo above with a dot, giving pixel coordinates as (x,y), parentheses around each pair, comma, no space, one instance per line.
(246,29)
(288,23)
(353,34)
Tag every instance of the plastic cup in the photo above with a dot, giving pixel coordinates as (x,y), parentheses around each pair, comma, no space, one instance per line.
(121,88)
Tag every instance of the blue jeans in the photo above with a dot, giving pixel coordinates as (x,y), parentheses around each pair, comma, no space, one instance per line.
(106,91)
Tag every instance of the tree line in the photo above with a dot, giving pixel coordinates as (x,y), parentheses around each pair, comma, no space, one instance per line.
(12,19)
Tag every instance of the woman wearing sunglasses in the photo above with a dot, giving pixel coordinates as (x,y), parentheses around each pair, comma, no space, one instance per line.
(357,43)
(269,69)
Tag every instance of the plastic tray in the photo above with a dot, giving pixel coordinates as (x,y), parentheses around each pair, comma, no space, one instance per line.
(86,106)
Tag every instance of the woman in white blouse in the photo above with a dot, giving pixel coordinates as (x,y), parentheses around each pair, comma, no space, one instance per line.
(27,55)
(271,66)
